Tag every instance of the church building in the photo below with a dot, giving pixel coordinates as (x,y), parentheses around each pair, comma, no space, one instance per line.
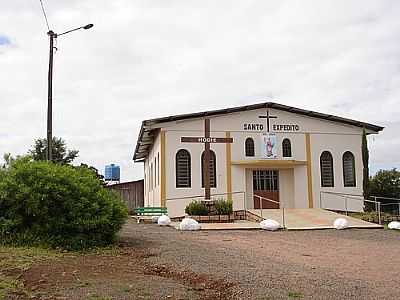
(265,155)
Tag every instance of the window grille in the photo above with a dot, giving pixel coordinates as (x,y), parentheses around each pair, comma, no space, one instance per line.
(266,180)
(249,147)
(183,169)
(286,148)
(212,168)
(326,166)
(349,174)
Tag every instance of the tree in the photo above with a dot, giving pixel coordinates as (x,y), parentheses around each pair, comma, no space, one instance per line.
(385,183)
(95,172)
(59,151)
(365,159)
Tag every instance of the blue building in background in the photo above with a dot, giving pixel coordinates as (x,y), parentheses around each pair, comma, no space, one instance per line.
(112,173)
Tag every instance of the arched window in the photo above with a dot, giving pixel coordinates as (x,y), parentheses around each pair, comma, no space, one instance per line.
(326,164)
(212,168)
(183,169)
(249,147)
(349,170)
(286,148)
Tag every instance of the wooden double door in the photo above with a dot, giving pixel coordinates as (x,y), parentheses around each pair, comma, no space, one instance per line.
(266,185)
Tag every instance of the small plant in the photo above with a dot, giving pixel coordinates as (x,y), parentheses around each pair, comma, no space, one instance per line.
(223,207)
(196,208)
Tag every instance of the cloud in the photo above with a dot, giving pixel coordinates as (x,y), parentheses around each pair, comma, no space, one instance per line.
(144,59)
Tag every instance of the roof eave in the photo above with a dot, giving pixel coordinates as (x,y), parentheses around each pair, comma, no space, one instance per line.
(309,113)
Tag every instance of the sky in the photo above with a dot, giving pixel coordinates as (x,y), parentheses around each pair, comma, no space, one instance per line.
(146,59)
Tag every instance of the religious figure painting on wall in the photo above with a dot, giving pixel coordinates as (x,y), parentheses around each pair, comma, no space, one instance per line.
(268,145)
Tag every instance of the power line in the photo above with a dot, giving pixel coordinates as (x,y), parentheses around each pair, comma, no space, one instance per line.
(44,14)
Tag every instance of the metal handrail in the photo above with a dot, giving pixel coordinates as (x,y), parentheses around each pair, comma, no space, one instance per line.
(338,193)
(270,200)
(346,196)
(388,198)
(378,197)
(351,197)
(273,201)
(394,203)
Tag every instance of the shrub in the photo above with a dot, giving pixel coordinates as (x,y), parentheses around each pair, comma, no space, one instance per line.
(223,207)
(196,208)
(57,206)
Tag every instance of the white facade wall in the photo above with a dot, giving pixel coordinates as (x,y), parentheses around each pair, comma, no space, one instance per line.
(324,135)
(172,146)
(286,188)
(152,171)
(337,144)
(300,187)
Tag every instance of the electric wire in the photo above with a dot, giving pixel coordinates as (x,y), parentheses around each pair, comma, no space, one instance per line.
(44,14)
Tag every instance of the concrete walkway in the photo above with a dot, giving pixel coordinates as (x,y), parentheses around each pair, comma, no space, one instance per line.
(295,219)
(309,218)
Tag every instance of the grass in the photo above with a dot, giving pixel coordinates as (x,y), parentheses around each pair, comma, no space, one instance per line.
(96,297)
(7,285)
(23,257)
(295,295)
(385,226)
(19,259)
(366,215)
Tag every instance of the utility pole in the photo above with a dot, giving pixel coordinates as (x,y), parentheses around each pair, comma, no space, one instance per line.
(52,36)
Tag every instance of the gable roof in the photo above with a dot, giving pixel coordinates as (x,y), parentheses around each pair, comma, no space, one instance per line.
(145,139)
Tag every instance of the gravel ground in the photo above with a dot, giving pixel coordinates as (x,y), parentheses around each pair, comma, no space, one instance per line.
(153,262)
(324,264)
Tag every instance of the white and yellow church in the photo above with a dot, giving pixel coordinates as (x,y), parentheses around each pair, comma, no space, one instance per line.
(265,155)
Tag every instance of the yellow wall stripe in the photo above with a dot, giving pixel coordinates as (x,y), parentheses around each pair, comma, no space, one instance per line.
(309,171)
(228,149)
(163,178)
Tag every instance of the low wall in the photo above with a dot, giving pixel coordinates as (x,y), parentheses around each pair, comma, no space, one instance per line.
(176,207)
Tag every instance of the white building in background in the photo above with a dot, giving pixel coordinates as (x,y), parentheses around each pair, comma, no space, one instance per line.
(302,160)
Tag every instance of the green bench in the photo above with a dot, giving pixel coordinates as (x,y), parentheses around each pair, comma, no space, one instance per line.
(142,212)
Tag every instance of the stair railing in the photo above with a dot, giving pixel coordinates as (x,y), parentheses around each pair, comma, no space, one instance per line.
(260,199)
(352,197)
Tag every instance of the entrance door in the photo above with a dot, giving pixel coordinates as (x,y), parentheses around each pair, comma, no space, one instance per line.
(266,184)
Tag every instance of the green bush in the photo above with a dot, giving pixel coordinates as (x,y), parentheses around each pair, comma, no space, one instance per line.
(57,206)
(196,208)
(223,207)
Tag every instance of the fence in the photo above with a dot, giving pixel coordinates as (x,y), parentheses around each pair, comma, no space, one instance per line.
(377,209)
(389,205)
(347,203)
(131,192)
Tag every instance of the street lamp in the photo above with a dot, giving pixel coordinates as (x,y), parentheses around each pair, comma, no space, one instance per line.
(52,35)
